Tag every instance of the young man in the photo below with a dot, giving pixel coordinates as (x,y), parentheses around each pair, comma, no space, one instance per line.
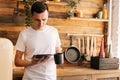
(38,39)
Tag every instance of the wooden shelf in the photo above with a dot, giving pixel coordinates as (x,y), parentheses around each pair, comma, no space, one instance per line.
(56,3)
(90,19)
(52,2)
(21,5)
(11,27)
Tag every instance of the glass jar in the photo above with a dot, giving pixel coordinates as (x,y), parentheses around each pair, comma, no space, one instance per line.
(79,14)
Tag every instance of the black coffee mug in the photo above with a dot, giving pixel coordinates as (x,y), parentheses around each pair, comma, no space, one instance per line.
(59,58)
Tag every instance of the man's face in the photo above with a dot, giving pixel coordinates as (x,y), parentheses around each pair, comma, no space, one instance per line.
(39,20)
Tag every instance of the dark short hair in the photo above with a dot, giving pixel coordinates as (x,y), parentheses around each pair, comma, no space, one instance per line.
(39,7)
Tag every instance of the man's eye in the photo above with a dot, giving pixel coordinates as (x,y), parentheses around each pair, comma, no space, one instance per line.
(37,20)
(43,19)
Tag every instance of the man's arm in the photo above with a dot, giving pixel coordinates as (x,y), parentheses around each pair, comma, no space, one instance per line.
(19,61)
(22,63)
(59,49)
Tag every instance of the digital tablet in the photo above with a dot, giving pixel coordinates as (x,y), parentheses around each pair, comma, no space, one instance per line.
(41,55)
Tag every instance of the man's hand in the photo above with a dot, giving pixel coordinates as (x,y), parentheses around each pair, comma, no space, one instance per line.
(39,60)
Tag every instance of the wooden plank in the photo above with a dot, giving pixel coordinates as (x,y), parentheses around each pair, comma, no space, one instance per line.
(8,4)
(69,22)
(57,8)
(85,77)
(89,12)
(6,11)
(79,30)
(57,14)
(56,3)
(91,3)
(6,19)
(89,19)
(8,28)
(97,1)
(7,0)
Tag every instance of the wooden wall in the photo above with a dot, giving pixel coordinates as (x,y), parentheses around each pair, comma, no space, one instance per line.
(10,25)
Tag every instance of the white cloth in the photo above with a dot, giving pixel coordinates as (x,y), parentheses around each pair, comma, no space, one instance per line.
(39,42)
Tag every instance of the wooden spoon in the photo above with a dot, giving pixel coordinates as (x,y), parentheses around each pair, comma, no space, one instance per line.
(94,47)
(91,46)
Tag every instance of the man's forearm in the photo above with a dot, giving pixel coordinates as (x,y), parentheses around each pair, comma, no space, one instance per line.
(22,63)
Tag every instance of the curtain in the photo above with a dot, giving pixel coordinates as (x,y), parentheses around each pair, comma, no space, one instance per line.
(115,29)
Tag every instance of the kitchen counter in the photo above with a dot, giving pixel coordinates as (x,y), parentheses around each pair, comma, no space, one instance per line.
(86,73)
(75,71)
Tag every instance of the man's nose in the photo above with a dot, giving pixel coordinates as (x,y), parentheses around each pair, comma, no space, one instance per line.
(40,22)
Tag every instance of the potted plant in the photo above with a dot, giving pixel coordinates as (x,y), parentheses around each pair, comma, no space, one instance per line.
(72,5)
(27,6)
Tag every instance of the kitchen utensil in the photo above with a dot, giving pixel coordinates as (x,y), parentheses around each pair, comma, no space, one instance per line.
(87,48)
(72,54)
(91,46)
(94,47)
(81,45)
(88,45)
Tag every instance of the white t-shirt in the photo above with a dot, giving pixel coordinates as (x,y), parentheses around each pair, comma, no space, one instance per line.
(39,42)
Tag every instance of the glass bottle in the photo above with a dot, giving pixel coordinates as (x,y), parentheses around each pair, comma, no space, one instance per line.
(102,51)
(79,13)
(104,12)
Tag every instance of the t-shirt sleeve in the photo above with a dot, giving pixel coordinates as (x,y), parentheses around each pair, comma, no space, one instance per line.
(20,44)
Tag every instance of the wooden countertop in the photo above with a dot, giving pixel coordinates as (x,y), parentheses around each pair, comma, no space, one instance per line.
(77,70)
(70,70)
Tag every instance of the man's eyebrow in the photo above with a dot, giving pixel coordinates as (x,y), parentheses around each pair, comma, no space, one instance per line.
(37,19)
